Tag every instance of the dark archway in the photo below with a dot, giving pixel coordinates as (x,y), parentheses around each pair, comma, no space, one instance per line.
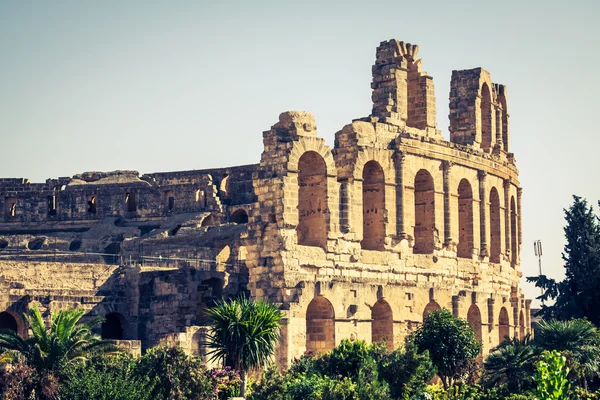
(239,216)
(495,227)
(7,321)
(320,326)
(503,326)
(112,327)
(474,318)
(465,219)
(312,200)
(373,206)
(382,327)
(486,118)
(424,213)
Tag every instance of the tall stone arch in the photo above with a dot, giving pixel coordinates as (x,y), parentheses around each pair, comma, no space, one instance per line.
(312,200)
(465,219)
(424,213)
(382,326)
(373,200)
(320,325)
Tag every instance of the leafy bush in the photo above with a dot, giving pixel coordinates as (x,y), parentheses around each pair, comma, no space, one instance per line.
(451,343)
(551,377)
(179,376)
(345,360)
(226,382)
(407,372)
(106,378)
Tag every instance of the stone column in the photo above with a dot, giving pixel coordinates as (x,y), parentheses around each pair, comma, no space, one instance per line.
(456,306)
(498,110)
(399,158)
(491,303)
(519,220)
(483,252)
(344,204)
(446,166)
(507,216)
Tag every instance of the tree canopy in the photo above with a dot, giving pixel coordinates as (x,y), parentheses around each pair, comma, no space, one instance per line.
(577,296)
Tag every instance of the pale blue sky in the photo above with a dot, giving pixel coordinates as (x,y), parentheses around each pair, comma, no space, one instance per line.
(166,86)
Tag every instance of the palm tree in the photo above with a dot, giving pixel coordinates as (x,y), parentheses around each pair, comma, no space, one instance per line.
(66,341)
(511,363)
(579,337)
(243,335)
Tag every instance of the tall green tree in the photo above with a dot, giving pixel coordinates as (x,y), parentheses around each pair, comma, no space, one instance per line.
(577,296)
(451,343)
(244,334)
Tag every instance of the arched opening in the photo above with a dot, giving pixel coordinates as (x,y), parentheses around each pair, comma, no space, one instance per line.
(7,321)
(312,200)
(91,204)
(503,326)
(224,186)
(52,206)
(239,217)
(486,118)
(382,327)
(504,120)
(75,245)
(521,325)
(112,327)
(170,200)
(36,244)
(373,206)
(10,207)
(495,232)
(474,318)
(208,221)
(130,202)
(513,231)
(465,219)
(431,306)
(424,213)
(320,326)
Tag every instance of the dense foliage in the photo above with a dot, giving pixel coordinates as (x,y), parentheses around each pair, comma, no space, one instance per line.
(353,370)
(577,296)
(451,343)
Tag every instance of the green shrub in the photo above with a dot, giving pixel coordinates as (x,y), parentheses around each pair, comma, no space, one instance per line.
(271,386)
(343,361)
(179,376)
(406,371)
(551,377)
(106,378)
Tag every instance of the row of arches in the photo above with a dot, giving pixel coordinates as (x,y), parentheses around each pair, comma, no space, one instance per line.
(111,328)
(320,323)
(313,211)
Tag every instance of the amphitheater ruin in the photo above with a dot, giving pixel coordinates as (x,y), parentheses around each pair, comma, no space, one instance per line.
(357,241)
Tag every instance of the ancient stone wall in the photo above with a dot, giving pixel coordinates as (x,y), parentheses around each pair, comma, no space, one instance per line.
(357,241)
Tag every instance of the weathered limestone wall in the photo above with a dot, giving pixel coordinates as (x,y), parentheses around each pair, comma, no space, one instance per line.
(359,241)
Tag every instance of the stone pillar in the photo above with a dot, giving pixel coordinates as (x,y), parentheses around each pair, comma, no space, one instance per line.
(399,158)
(456,306)
(491,303)
(519,220)
(498,110)
(482,214)
(446,166)
(344,207)
(507,216)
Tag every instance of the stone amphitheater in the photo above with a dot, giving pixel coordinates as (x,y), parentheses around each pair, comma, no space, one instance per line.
(357,241)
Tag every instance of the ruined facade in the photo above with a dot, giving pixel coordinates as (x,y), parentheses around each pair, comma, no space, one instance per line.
(356,241)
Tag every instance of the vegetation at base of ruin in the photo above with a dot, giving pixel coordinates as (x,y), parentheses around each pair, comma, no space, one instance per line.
(163,373)
(451,343)
(244,334)
(577,296)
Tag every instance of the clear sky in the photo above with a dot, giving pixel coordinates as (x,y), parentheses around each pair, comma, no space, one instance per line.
(165,86)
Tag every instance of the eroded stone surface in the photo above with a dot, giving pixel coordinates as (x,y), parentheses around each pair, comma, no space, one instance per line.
(359,241)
